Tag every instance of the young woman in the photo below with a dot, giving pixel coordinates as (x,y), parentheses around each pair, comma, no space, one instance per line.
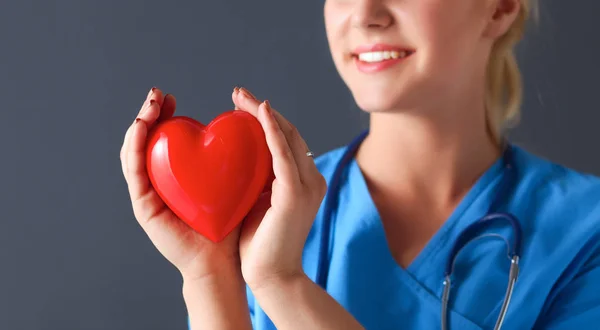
(366,236)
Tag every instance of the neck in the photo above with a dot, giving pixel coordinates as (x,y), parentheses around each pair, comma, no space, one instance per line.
(411,157)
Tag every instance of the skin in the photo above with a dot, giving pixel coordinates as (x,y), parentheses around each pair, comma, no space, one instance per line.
(412,133)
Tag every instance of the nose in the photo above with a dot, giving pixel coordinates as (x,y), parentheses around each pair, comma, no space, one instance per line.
(371,14)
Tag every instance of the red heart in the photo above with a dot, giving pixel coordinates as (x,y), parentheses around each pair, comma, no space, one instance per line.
(209,176)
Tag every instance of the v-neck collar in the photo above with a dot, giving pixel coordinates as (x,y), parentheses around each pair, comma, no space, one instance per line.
(472,206)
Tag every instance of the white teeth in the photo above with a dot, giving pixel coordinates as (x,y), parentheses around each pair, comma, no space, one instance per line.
(381,56)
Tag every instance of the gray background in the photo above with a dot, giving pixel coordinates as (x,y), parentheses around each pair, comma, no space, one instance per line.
(74,73)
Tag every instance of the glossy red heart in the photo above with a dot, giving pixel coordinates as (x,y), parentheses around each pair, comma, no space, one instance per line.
(210,176)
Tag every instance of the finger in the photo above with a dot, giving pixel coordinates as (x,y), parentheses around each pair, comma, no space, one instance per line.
(283,122)
(138,180)
(125,146)
(248,93)
(168,108)
(291,134)
(148,114)
(306,165)
(284,164)
(288,129)
(151,111)
(244,100)
(234,97)
(244,97)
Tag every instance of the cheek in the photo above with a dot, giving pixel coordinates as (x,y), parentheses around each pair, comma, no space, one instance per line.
(444,40)
(334,28)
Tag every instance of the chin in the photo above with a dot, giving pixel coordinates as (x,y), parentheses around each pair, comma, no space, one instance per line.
(382,99)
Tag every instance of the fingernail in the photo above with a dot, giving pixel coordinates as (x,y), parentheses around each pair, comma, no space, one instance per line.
(150,104)
(269,110)
(247,94)
(235,89)
(139,127)
(151,91)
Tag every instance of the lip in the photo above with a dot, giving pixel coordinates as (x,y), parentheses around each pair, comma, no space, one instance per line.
(366,67)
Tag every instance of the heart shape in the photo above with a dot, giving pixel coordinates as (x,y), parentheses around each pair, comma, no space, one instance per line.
(209,176)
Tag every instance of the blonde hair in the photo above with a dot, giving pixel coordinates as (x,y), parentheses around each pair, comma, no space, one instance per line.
(504,91)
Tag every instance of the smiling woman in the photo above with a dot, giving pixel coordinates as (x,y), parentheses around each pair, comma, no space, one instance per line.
(366,235)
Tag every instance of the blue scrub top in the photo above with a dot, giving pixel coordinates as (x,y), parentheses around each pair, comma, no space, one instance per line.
(559,282)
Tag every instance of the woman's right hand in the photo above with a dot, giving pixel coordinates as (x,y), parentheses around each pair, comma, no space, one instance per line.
(194,255)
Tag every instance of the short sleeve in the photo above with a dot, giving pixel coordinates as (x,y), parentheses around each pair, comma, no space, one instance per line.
(577,306)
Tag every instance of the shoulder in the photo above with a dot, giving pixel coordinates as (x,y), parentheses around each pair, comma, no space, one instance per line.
(552,172)
(551,189)
(559,209)
(557,205)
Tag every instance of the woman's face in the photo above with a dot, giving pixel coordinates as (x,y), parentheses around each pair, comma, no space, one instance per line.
(397,54)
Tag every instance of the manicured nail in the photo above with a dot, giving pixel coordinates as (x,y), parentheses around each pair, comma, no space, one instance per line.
(235,89)
(247,94)
(151,91)
(269,110)
(139,127)
(150,104)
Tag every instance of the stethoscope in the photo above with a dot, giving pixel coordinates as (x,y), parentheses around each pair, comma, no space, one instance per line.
(514,249)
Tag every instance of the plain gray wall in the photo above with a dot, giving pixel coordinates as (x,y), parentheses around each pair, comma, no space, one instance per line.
(74,73)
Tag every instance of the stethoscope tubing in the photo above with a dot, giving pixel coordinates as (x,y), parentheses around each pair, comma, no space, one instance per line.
(331,199)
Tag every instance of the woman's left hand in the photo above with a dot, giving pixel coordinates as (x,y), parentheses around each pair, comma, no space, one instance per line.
(274,232)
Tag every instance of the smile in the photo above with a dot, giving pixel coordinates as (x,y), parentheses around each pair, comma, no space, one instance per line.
(373,57)
(376,58)
(372,62)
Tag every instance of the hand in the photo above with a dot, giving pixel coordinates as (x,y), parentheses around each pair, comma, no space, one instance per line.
(274,232)
(194,255)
